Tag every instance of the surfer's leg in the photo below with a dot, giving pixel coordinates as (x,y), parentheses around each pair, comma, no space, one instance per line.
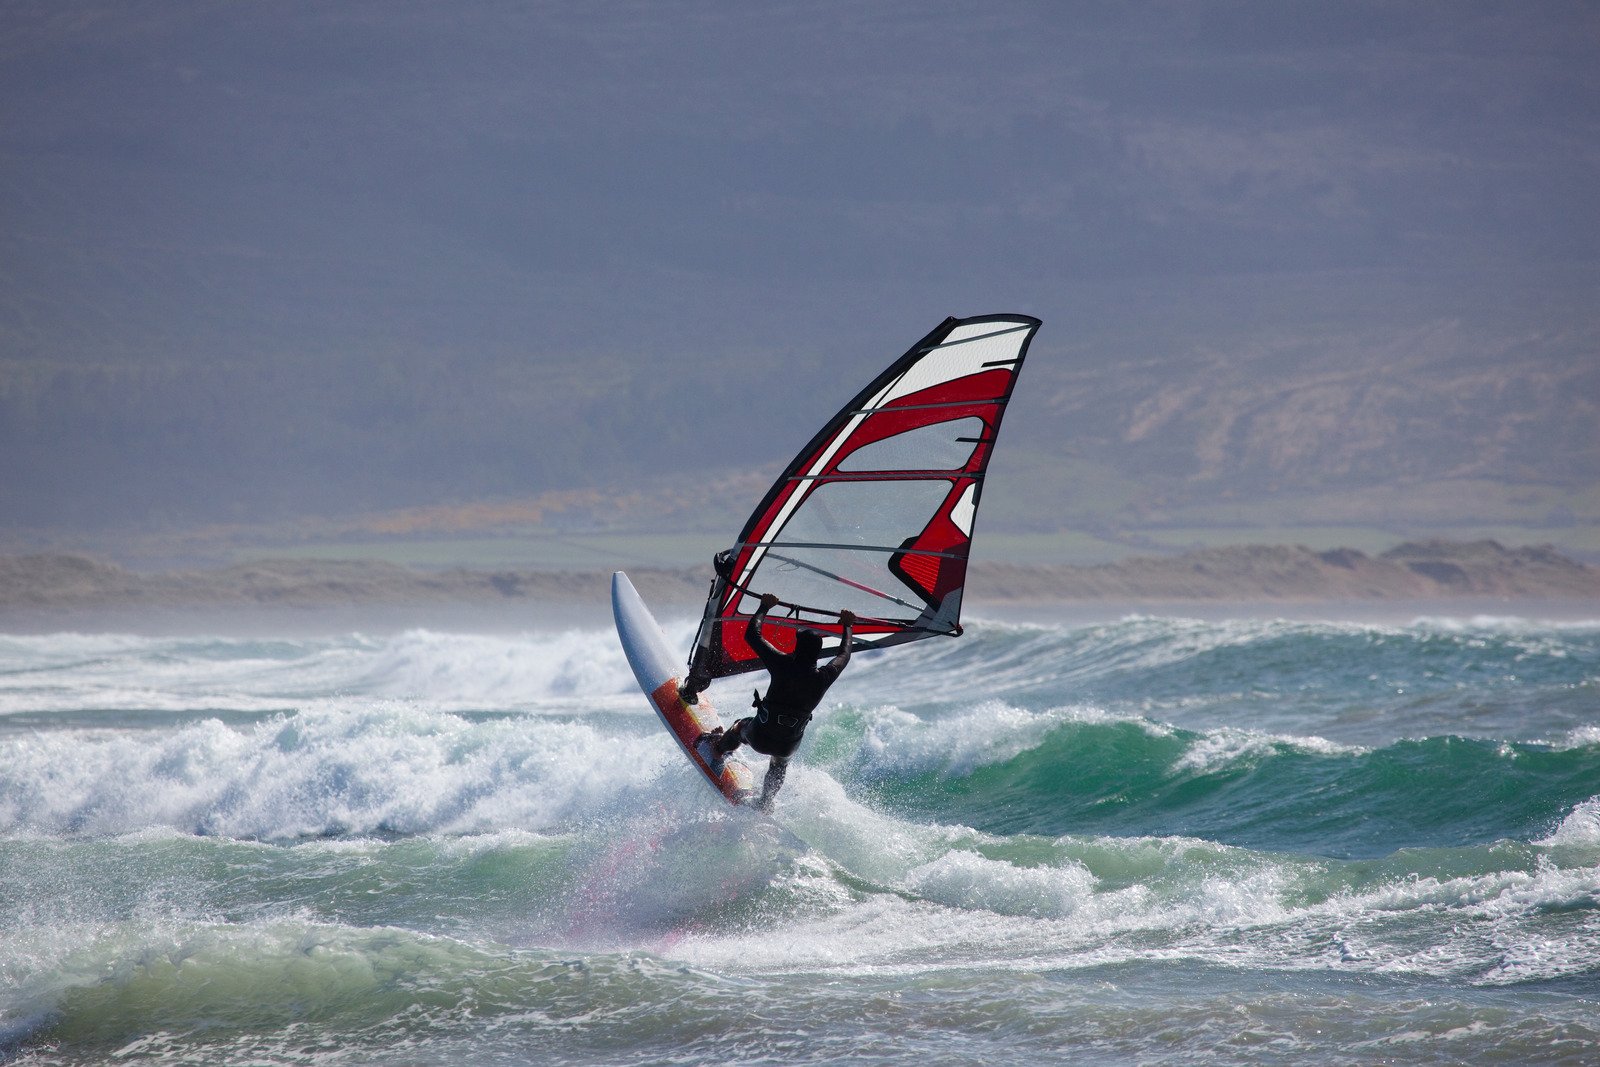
(777,769)
(730,739)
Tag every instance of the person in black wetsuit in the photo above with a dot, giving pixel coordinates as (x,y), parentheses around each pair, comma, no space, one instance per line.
(796,688)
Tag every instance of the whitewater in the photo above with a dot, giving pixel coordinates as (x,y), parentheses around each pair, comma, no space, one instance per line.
(1144,840)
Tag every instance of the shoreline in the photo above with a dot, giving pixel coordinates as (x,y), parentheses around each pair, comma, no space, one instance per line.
(255,621)
(52,593)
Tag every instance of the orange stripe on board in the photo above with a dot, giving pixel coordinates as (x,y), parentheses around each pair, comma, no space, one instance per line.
(684,724)
(733,781)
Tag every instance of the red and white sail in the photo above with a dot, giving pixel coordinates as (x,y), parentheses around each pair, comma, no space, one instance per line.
(875,515)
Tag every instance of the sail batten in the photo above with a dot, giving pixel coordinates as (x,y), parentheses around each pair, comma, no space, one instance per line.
(852,548)
(885,476)
(878,508)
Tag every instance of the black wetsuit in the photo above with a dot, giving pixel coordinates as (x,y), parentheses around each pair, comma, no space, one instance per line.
(781,716)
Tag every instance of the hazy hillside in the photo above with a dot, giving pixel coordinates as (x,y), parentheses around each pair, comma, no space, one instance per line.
(322,264)
(1443,425)
(1437,427)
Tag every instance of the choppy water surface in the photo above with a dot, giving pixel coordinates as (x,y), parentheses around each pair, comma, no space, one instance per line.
(1153,840)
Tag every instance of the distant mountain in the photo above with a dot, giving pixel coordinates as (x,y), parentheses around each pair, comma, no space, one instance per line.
(323,265)
(1437,429)
(1443,425)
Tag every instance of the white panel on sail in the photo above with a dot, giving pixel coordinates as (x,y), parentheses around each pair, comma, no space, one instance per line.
(957,360)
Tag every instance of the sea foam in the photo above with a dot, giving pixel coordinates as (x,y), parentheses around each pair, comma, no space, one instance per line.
(1580,827)
(363,768)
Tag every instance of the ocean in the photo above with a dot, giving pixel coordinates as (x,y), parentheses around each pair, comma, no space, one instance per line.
(1143,840)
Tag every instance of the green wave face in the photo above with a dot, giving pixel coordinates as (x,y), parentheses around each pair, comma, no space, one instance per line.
(1154,840)
(1241,788)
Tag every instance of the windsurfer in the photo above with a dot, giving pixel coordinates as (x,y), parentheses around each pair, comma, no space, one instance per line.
(796,688)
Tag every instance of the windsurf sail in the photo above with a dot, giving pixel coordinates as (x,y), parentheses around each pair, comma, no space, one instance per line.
(875,515)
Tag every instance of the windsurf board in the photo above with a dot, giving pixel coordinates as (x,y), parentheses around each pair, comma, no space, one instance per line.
(655,668)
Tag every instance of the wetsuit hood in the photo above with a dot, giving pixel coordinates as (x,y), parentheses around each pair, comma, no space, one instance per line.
(807,647)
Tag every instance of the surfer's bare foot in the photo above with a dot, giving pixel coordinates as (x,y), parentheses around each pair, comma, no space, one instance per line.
(691,688)
(706,747)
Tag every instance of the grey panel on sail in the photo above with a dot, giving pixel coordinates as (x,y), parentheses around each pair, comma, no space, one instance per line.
(834,579)
(879,514)
(944,446)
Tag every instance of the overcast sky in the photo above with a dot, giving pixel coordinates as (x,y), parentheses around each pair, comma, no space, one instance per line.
(801,188)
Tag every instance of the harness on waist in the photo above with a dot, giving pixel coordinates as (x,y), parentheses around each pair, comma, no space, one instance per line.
(766,717)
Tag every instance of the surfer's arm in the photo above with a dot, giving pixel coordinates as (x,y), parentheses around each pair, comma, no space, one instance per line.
(752,632)
(837,664)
